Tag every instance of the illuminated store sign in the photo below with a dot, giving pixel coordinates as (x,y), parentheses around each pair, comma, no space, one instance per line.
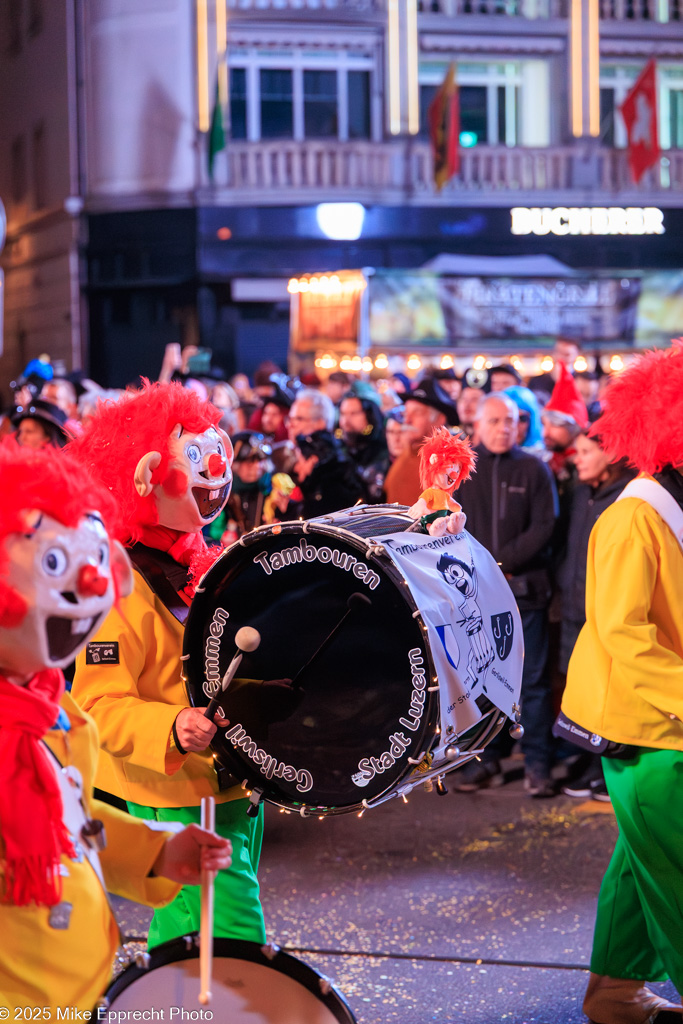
(587,220)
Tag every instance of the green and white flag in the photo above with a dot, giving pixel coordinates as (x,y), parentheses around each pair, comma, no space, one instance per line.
(216,129)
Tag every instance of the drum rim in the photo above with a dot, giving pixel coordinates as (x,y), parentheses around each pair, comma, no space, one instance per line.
(187,948)
(324,526)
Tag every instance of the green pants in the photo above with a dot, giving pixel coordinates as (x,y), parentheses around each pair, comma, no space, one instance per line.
(237,907)
(639,925)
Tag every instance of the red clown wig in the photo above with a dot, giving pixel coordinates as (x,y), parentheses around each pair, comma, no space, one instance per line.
(121,432)
(442,450)
(642,414)
(53,483)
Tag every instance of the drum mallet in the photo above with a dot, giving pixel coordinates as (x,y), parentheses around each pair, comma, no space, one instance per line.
(246,639)
(353,603)
(208,822)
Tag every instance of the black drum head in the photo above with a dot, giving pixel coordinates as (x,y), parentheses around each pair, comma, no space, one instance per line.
(345,731)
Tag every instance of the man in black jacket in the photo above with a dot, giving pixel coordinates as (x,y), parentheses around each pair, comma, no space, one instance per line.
(511,507)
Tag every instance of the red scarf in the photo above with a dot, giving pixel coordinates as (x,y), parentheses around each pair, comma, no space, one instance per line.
(32,829)
(189,549)
(182,547)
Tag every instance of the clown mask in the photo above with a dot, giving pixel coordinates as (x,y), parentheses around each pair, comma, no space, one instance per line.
(447,478)
(62,583)
(196,485)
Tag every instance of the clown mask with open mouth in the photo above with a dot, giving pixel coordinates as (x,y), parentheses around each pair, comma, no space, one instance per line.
(197,483)
(62,582)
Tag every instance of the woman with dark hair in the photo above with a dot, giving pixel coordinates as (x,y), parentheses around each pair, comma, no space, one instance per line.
(39,424)
(393,433)
(361,431)
(601,481)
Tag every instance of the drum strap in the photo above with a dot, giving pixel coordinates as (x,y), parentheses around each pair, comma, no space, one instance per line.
(164,577)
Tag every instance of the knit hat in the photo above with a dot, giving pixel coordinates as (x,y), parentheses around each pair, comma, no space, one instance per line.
(566,407)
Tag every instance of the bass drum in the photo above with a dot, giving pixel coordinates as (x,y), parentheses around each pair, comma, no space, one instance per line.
(363,717)
(250,984)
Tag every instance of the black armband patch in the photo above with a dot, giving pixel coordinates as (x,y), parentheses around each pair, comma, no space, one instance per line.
(102,653)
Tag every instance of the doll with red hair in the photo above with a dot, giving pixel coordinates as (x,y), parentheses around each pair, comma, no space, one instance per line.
(445,462)
(60,849)
(625,691)
(162,455)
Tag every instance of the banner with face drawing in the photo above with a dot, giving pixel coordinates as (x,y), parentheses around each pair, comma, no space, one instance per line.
(474,627)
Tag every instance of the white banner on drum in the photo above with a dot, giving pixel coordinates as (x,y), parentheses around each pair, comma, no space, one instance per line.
(474,627)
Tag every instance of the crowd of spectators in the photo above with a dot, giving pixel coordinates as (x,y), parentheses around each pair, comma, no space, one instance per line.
(306,447)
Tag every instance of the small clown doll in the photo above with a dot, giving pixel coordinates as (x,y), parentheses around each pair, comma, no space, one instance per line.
(445,462)
(60,849)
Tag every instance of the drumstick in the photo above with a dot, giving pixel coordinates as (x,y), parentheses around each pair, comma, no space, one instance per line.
(246,639)
(354,602)
(208,821)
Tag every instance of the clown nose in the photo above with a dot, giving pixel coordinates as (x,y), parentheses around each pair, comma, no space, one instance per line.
(216,465)
(90,583)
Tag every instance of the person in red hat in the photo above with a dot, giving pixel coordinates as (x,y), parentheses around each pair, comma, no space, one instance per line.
(564,417)
(624,694)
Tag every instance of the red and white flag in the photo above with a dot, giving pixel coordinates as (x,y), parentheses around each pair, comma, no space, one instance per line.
(639,111)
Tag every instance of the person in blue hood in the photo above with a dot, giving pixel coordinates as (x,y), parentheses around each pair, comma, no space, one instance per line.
(530,436)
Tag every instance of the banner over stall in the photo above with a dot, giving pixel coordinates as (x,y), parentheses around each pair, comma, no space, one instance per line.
(424,308)
(356,311)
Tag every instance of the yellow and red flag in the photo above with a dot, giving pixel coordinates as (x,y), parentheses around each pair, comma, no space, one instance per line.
(443,118)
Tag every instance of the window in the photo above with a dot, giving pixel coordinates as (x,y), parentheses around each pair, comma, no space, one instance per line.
(617,80)
(489,101)
(359,104)
(320,105)
(18,165)
(427,94)
(276,104)
(671,107)
(238,103)
(615,83)
(302,94)
(607,114)
(473,112)
(676,118)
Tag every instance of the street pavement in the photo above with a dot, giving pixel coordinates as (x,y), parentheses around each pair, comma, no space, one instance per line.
(467,907)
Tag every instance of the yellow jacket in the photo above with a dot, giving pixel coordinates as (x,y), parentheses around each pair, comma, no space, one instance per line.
(134,703)
(625,678)
(43,966)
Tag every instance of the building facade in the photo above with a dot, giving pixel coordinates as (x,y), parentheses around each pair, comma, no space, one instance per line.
(119,240)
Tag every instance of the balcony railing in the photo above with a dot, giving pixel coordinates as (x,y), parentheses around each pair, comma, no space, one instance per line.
(402,171)
(662,11)
(357,6)
(516,8)
(610,10)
